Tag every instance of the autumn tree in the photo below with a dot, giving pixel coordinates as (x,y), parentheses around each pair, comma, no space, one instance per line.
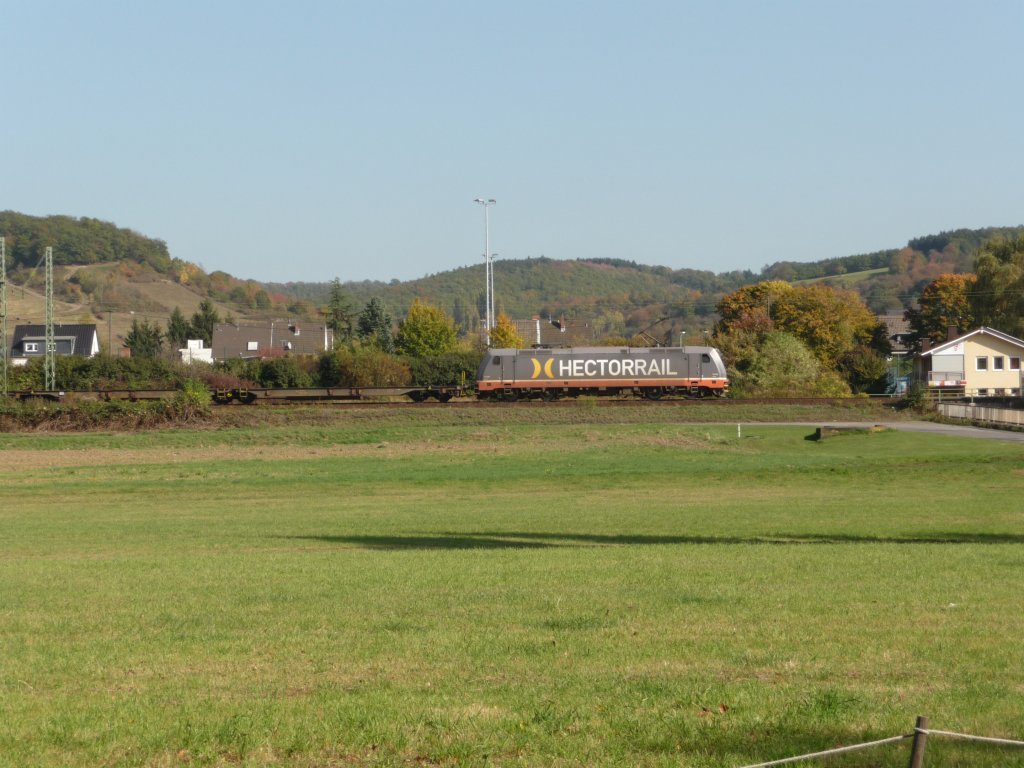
(944,302)
(830,321)
(426,330)
(504,334)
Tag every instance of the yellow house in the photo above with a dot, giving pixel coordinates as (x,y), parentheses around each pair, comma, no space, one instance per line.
(984,363)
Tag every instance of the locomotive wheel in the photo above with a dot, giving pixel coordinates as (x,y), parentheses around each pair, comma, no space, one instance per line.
(653,394)
(550,395)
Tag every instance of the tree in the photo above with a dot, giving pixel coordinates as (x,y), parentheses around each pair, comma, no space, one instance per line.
(204,321)
(262,299)
(864,369)
(830,321)
(177,329)
(374,326)
(783,366)
(944,302)
(998,297)
(144,339)
(339,312)
(504,334)
(426,330)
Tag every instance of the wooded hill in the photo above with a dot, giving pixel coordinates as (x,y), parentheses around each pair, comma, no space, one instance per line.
(103,267)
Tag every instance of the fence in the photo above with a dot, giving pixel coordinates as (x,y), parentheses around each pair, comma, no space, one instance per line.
(920,737)
(989,413)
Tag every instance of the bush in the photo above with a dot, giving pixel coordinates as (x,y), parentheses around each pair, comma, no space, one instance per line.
(100,372)
(364,367)
(447,370)
(193,399)
(113,414)
(282,372)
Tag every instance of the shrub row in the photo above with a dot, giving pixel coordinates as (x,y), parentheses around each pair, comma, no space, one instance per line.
(364,367)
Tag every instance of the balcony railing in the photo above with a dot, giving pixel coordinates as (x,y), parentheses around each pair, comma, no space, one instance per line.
(953,378)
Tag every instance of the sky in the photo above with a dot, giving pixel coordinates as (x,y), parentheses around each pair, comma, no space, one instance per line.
(311,140)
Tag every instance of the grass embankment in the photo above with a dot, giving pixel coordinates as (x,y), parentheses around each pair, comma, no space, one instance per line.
(392,590)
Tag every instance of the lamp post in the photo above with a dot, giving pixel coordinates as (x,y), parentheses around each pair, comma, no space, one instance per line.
(488,269)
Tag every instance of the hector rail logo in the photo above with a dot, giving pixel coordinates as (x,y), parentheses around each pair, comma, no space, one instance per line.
(598,367)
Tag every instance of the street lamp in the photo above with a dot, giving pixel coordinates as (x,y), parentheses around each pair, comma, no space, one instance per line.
(488,269)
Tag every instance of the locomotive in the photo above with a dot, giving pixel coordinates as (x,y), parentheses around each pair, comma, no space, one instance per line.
(651,372)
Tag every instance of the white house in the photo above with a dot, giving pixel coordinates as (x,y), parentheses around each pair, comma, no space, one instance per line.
(195,352)
(984,362)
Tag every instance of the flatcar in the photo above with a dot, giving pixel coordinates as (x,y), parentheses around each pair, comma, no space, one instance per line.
(651,372)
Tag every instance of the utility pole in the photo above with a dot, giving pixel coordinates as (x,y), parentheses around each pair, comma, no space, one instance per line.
(488,269)
(50,363)
(3,311)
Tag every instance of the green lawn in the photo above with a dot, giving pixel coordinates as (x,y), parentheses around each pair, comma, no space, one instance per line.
(440,589)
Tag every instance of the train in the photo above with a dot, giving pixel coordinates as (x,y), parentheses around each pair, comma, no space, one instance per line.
(650,372)
(504,374)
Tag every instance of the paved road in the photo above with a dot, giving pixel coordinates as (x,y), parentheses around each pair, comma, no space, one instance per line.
(938,429)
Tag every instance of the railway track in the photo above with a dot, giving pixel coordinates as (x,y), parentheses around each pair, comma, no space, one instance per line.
(597,402)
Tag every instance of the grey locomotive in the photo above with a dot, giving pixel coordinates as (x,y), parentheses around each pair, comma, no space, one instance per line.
(651,372)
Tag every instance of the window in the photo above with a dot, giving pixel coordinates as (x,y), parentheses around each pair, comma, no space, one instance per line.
(997,363)
(1014,363)
(252,346)
(31,346)
(982,364)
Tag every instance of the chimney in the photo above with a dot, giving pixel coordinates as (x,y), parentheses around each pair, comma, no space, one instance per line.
(951,332)
(926,344)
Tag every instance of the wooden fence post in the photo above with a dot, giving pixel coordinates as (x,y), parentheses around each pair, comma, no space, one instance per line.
(920,740)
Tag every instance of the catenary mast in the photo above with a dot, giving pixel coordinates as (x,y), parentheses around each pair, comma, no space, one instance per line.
(50,363)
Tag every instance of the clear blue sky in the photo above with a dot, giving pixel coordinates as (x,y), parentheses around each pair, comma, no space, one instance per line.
(308,140)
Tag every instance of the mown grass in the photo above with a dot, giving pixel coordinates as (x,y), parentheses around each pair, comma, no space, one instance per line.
(418,590)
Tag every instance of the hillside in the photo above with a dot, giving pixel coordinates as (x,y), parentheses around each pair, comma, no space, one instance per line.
(113,275)
(618,296)
(612,294)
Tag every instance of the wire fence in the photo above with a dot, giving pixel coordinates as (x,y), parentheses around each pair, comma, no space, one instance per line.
(920,737)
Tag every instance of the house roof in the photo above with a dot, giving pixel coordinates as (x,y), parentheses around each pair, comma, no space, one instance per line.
(270,339)
(897,330)
(983,331)
(84,334)
(552,333)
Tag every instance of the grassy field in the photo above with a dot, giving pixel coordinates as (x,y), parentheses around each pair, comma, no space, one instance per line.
(498,587)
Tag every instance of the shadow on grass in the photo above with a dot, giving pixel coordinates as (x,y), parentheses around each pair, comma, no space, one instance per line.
(536,540)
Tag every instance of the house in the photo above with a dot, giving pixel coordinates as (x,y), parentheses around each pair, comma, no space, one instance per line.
(78,339)
(984,363)
(900,336)
(897,330)
(195,352)
(271,339)
(552,333)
